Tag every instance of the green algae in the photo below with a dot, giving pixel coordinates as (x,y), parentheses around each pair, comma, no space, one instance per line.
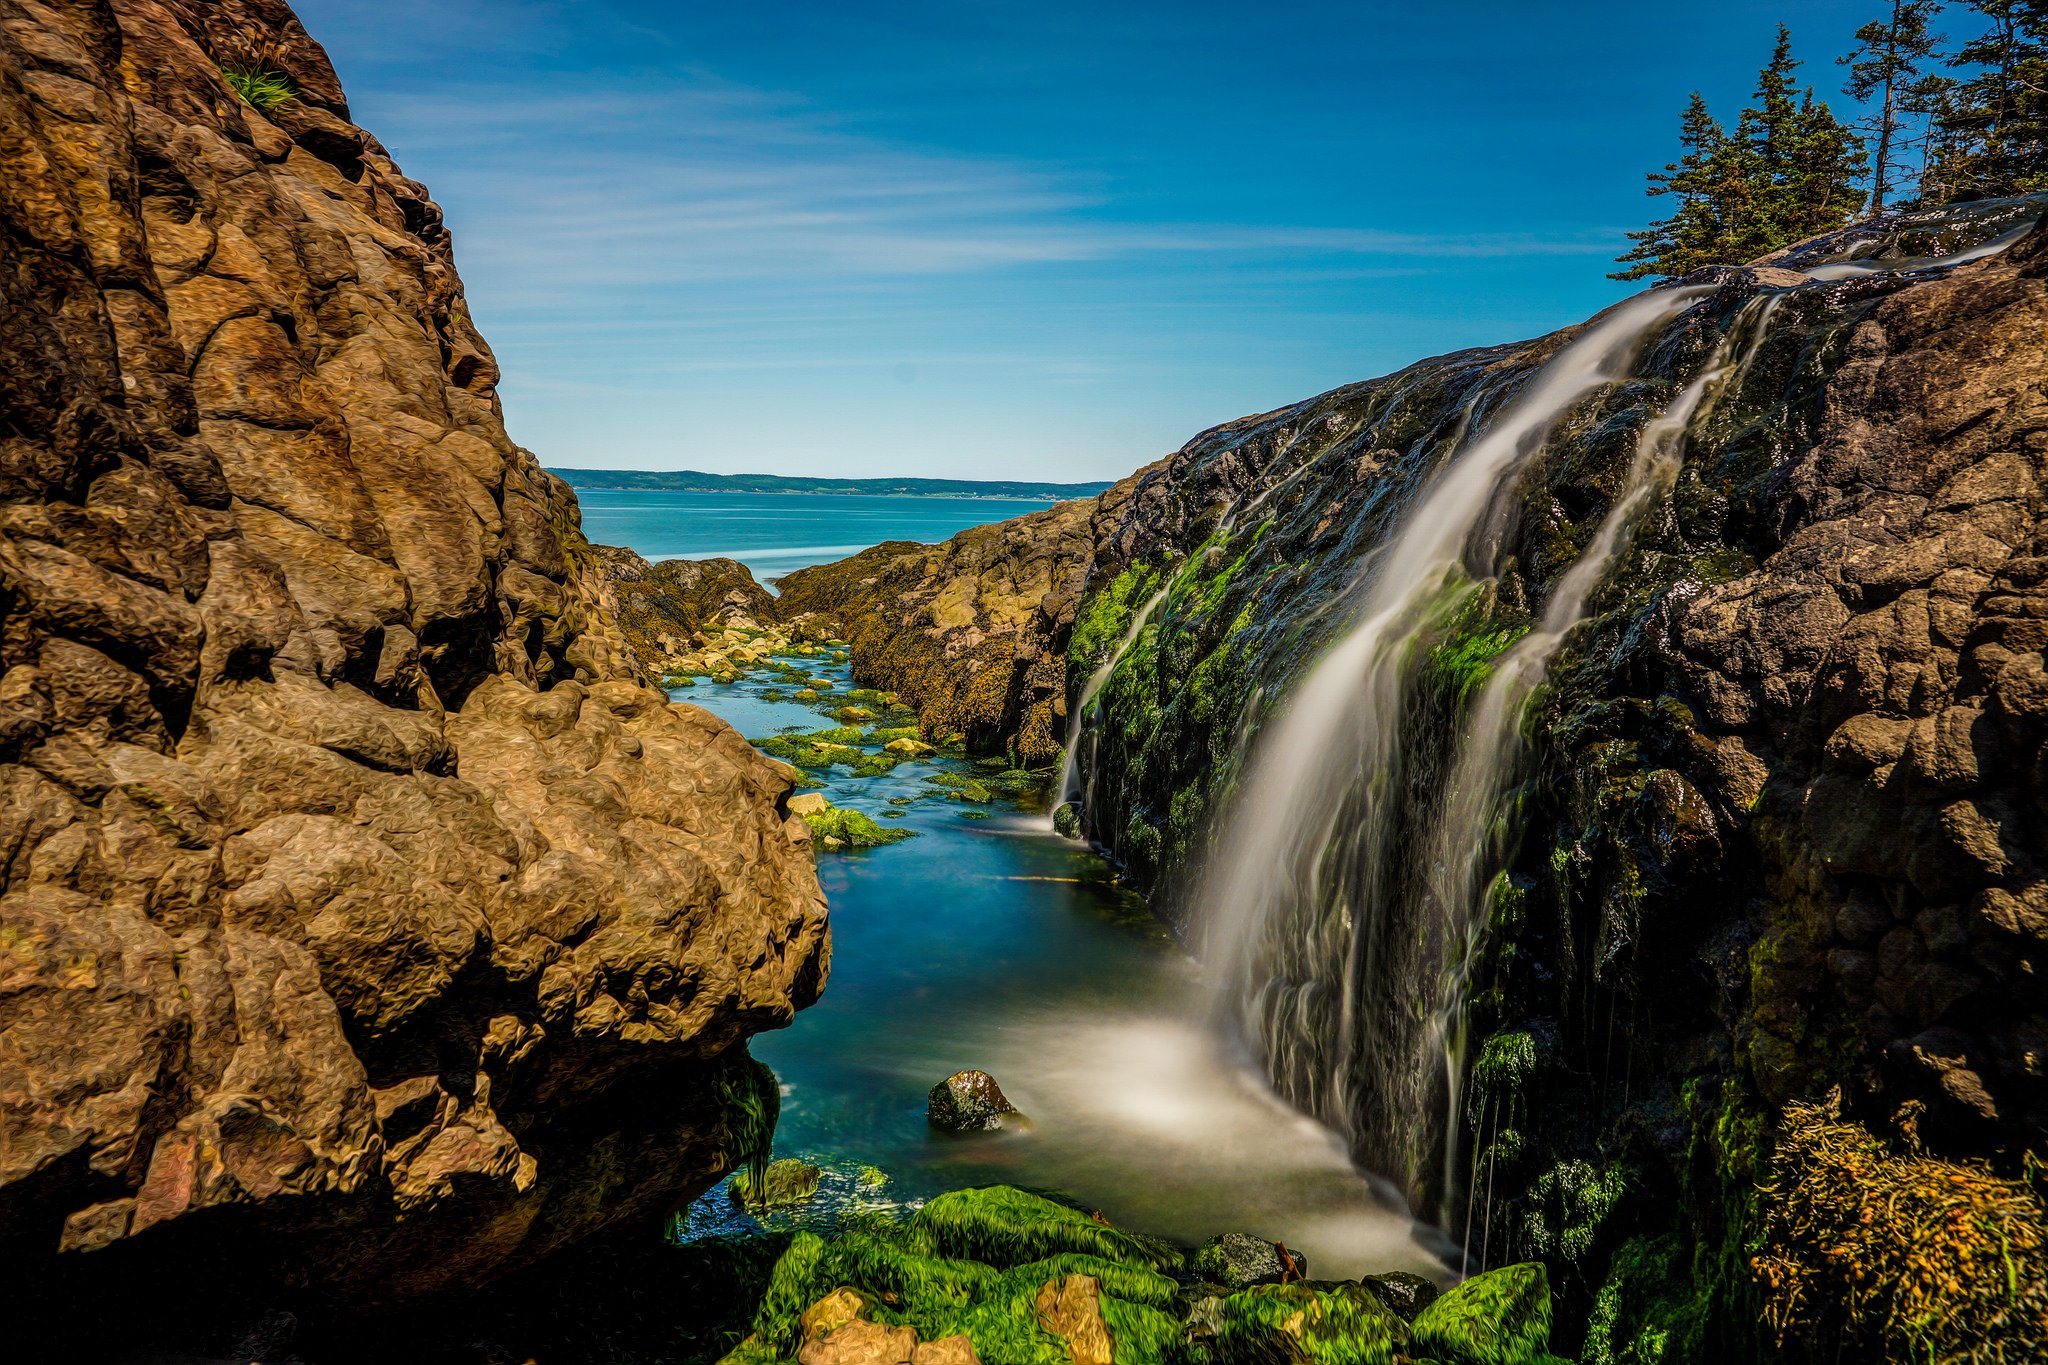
(779,1185)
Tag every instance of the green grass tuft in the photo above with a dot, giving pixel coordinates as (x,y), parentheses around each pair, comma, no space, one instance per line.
(258,86)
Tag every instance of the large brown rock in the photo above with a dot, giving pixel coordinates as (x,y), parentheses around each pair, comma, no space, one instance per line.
(363,923)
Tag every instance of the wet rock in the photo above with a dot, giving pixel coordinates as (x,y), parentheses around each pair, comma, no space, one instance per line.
(1066,820)
(970,1102)
(807,803)
(1404,1292)
(1238,1260)
(784,1183)
(909,748)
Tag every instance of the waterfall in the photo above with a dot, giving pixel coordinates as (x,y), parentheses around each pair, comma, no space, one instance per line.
(1298,909)
(1069,787)
(1465,845)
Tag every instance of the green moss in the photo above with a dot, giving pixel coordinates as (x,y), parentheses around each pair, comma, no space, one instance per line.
(962,787)
(852,829)
(1566,1207)
(1006,1226)
(919,1275)
(1305,1324)
(1650,1311)
(751,1099)
(1505,1064)
(1499,1318)
(891,733)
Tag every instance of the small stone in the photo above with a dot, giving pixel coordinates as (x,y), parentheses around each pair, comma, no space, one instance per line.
(910,748)
(1238,1260)
(969,1102)
(808,803)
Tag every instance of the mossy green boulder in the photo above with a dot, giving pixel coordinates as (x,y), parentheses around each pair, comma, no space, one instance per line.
(1499,1318)
(838,828)
(977,1263)
(1309,1323)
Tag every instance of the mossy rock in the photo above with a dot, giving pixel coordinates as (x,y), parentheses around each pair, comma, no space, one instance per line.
(853,715)
(1066,820)
(785,1182)
(1238,1260)
(804,694)
(1310,1323)
(1004,1226)
(1499,1318)
(838,828)
(924,1276)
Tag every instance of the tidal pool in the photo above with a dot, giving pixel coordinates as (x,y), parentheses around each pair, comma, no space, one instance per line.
(988,941)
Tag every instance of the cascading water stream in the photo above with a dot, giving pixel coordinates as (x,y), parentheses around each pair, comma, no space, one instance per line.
(1070,768)
(1286,896)
(1466,844)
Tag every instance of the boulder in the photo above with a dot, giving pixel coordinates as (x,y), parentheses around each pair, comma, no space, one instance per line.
(1499,1318)
(970,1102)
(807,803)
(1404,1292)
(1238,1260)
(1066,820)
(1315,1324)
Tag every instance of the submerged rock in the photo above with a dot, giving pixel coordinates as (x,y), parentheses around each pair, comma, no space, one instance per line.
(1238,1260)
(970,1102)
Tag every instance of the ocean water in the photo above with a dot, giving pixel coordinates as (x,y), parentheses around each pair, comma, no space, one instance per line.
(777,533)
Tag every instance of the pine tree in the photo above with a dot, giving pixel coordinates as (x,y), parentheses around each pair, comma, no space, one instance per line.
(1887,61)
(1788,171)
(1697,231)
(1990,133)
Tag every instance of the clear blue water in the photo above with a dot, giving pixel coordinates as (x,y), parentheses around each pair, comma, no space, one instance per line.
(993,943)
(777,533)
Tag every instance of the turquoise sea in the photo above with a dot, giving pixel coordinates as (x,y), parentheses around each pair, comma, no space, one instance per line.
(777,533)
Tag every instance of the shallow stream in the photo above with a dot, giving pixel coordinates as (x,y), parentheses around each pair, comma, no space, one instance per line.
(990,942)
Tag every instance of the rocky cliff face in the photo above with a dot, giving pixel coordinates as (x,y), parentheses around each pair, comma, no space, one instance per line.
(364,923)
(972,632)
(672,611)
(1778,839)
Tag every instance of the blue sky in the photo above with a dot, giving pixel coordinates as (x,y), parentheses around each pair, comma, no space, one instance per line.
(1006,240)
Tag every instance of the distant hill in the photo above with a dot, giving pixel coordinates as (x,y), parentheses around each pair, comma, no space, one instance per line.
(691,481)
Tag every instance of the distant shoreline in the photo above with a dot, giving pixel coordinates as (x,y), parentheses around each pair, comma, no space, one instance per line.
(692,481)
